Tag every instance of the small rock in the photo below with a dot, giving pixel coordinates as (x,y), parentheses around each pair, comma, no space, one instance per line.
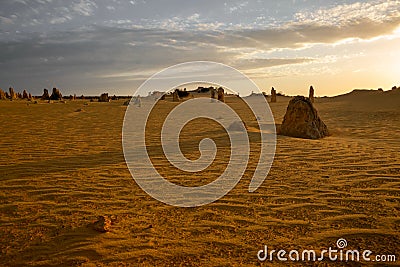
(103,224)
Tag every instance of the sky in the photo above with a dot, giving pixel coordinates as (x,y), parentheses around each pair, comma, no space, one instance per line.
(90,47)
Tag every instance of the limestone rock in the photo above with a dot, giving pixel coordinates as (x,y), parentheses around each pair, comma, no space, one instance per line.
(56,95)
(221,94)
(103,224)
(25,95)
(175,96)
(311,95)
(13,95)
(183,93)
(137,101)
(104,98)
(273,95)
(45,95)
(212,93)
(2,95)
(302,120)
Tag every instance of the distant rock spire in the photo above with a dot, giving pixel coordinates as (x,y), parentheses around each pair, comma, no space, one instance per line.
(221,94)
(311,94)
(56,95)
(2,94)
(273,95)
(25,95)
(13,95)
(212,94)
(175,96)
(45,95)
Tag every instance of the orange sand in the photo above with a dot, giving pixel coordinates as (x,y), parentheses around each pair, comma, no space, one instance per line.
(60,169)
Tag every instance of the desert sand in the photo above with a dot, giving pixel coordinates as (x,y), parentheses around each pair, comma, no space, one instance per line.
(62,165)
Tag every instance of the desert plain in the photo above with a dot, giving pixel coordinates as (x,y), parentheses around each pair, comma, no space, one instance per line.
(62,166)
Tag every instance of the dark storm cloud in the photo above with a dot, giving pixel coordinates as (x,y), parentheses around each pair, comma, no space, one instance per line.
(102,48)
(94,54)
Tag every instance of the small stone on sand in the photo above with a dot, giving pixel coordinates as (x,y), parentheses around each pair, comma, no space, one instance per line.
(103,224)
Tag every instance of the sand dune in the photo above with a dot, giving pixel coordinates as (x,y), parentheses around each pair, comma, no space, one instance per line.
(60,169)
